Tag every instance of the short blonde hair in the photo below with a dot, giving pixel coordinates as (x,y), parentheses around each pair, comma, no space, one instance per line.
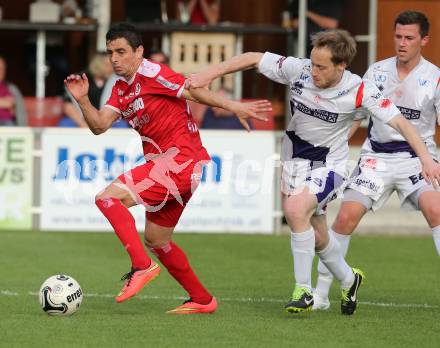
(340,43)
(97,65)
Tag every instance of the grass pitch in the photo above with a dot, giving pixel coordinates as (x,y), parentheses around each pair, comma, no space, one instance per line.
(251,276)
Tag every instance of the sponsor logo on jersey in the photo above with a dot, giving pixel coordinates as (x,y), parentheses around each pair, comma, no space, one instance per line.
(380,78)
(305,77)
(377,96)
(344,92)
(324,115)
(385,103)
(280,62)
(192,127)
(168,84)
(297,87)
(423,83)
(410,114)
(136,105)
(129,96)
(139,122)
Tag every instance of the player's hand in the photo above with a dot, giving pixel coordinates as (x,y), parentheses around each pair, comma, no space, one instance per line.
(77,85)
(198,80)
(431,173)
(255,109)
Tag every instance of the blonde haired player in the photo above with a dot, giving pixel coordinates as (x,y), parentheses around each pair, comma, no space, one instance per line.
(323,97)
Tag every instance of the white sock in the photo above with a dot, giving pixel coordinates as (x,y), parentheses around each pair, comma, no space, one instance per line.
(343,239)
(324,282)
(436,236)
(331,256)
(325,277)
(303,251)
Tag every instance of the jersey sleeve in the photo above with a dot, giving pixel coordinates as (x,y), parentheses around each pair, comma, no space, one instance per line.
(280,69)
(378,106)
(369,74)
(113,102)
(362,113)
(167,82)
(437,99)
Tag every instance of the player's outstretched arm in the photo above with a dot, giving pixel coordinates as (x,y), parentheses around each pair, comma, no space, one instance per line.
(97,120)
(354,127)
(241,62)
(243,111)
(430,169)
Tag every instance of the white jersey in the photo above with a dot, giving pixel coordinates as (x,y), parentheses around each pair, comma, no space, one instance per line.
(418,99)
(321,118)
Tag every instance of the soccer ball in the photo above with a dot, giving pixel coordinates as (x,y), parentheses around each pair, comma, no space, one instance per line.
(60,295)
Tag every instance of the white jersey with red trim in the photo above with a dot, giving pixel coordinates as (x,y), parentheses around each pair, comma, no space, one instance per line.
(418,98)
(321,118)
(150,102)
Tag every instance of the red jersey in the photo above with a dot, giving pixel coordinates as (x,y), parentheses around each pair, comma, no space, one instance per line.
(150,102)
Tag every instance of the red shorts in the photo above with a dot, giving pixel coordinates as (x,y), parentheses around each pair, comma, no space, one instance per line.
(163,188)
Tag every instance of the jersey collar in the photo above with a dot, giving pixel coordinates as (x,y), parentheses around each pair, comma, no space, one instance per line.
(129,82)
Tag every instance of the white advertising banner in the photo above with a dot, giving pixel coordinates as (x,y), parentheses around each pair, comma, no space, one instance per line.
(235,195)
(16,175)
(76,165)
(237,189)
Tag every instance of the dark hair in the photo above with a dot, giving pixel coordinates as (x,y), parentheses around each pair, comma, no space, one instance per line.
(413,17)
(340,43)
(126,31)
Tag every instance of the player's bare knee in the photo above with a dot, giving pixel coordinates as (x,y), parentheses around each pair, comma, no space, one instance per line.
(432,213)
(345,222)
(296,210)
(127,202)
(100,196)
(155,243)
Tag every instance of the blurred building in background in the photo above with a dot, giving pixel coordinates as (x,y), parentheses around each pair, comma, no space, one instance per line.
(77,46)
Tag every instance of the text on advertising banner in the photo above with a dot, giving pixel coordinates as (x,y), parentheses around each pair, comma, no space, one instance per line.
(16,175)
(235,193)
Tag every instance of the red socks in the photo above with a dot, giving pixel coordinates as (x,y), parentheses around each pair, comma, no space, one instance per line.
(175,260)
(124,225)
(171,256)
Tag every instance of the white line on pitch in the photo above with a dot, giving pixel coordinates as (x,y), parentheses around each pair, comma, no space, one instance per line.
(238,299)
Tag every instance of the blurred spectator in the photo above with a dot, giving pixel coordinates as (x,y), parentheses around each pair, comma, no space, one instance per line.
(158,57)
(218,118)
(144,11)
(70,9)
(101,81)
(57,48)
(12,110)
(321,15)
(198,11)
